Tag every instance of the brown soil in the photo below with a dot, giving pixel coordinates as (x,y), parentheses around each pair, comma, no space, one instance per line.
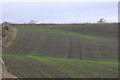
(5,73)
(6,42)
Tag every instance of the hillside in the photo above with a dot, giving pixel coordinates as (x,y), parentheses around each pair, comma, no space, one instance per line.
(81,51)
(6,38)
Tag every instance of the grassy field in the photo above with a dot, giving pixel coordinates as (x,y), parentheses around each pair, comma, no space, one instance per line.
(46,67)
(76,51)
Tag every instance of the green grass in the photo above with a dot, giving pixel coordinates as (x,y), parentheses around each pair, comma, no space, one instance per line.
(54,51)
(63,46)
(78,68)
(55,31)
(73,68)
(108,31)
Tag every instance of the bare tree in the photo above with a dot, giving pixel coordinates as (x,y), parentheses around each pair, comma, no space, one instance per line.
(101,21)
(32,22)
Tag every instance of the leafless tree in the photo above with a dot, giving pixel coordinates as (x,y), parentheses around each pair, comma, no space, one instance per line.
(101,21)
(32,22)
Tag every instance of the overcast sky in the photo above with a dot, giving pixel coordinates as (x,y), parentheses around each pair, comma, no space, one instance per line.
(59,0)
(59,12)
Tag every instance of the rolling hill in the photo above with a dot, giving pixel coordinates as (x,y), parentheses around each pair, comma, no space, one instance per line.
(64,51)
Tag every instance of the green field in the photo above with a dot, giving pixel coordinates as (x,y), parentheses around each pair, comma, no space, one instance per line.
(64,51)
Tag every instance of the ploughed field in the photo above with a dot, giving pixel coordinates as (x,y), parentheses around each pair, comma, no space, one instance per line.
(57,51)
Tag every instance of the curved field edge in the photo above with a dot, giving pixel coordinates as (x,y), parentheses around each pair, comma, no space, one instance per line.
(22,65)
(64,46)
(42,67)
(100,31)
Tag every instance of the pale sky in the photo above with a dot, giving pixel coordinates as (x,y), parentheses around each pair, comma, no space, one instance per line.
(59,0)
(59,12)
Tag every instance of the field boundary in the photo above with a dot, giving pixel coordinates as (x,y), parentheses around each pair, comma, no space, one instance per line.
(7,41)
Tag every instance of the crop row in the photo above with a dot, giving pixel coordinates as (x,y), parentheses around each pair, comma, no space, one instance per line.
(41,67)
(62,46)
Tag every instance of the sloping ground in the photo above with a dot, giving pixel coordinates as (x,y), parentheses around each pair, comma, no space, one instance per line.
(29,68)
(63,46)
(63,52)
(109,31)
(43,67)
(9,36)
(3,71)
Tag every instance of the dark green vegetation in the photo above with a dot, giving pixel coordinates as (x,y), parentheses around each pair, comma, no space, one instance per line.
(64,51)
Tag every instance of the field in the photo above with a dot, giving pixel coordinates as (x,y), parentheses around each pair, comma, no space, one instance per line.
(57,51)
